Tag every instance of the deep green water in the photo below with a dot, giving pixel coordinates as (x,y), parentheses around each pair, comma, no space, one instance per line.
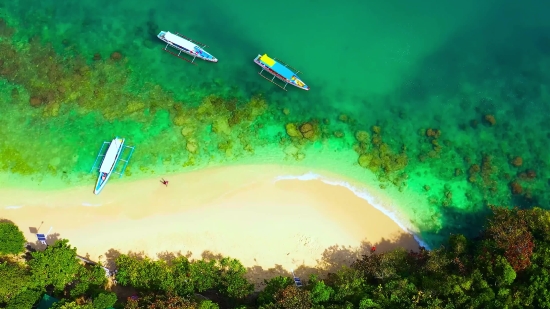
(402,66)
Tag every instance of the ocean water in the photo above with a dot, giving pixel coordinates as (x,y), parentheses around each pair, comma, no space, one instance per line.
(444,104)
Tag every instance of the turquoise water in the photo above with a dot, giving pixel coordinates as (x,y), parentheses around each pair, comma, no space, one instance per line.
(448,99)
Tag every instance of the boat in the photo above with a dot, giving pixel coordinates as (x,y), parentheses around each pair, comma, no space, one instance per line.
(185,45)
(109,161)
(280,70)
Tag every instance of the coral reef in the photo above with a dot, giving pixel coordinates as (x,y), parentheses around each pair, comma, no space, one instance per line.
(378,157)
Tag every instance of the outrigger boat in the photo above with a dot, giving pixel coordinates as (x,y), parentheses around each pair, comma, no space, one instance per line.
(185,45)
(279,70)
(109,161)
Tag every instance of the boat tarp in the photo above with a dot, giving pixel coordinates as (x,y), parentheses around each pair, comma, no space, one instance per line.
(282,70)
(46,302)
(110,156)
(265,59)
(180,41)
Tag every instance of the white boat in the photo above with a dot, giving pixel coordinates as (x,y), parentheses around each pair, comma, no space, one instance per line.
(108,164)
(185,45)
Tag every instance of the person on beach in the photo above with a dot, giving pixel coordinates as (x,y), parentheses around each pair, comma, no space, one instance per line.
(164,182)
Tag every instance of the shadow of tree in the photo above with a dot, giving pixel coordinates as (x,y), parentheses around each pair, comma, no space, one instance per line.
(331,260)
(209,255)
(110,257)
(168,257)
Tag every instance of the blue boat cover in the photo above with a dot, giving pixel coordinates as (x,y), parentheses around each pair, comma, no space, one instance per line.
(281,69)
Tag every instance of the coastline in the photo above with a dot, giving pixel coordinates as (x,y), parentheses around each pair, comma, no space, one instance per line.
(266,216)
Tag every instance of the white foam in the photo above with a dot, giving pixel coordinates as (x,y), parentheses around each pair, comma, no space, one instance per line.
(13,207)
(91,205)
(361,193)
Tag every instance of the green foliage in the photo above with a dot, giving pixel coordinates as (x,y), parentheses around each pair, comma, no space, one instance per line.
(159,301)
(56,266)
(13,241)
(292,297)
(89,280)
(320,292)
(104,300)
(232,280)
(71,305)
(208,304)
(509,267)
(272,288)
(348,284)
(144,274)
(14,279)
(203,275)
(25,299)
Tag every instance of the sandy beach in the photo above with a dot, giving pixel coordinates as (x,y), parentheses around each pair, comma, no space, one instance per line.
(270,226)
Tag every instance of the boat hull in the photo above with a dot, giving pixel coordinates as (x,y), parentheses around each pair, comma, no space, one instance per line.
(189,52)
(279,76)
(105,173)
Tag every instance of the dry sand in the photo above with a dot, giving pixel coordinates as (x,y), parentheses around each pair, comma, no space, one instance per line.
(271,227)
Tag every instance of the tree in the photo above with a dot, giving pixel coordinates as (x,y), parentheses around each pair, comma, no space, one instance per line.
(144,274)
(64,304)
(509,230)
(320,292)
(56,266)
(293,297)
(13,241)
(160,301)
(272,288)
(14,278)
(89,279)
(204,275)
(25,299)
(104,300)
(232,280)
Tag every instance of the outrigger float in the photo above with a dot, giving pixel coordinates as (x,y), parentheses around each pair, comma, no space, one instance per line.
(279,70)
(185,45)
(109,161)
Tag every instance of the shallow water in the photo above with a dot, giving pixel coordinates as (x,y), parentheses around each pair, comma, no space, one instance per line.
(450,95)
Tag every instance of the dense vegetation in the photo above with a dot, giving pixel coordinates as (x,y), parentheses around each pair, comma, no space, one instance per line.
(507,266)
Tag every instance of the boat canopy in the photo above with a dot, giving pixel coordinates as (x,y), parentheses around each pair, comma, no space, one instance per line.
(265,59)
(111,156)
(180,41)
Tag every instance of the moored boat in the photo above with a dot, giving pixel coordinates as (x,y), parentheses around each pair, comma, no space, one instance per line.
(279,70)
(110,159)
(185,45)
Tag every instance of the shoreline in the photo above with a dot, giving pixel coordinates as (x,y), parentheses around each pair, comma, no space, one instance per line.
(310,226)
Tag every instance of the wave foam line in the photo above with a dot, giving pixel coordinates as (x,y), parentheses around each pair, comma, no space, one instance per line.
(13,207)
(361,193)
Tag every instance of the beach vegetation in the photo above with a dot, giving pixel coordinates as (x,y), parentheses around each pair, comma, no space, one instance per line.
(104,300)
(506,266)
(55,267)
(25,298)
(13,240)
(14,278)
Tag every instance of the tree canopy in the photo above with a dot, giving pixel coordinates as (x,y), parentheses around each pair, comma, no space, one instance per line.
(507,266)
(12,239)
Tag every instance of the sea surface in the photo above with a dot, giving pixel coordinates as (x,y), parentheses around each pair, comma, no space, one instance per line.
(445,102)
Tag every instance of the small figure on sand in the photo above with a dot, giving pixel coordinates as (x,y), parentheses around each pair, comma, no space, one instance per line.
(164,182)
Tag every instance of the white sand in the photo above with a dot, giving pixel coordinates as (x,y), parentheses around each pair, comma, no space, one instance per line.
(271,227)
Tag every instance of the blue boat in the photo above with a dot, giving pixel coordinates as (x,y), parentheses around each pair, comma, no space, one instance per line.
(279,70)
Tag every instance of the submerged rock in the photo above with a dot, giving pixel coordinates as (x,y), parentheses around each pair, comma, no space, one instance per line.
(292,130)
(192,145)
